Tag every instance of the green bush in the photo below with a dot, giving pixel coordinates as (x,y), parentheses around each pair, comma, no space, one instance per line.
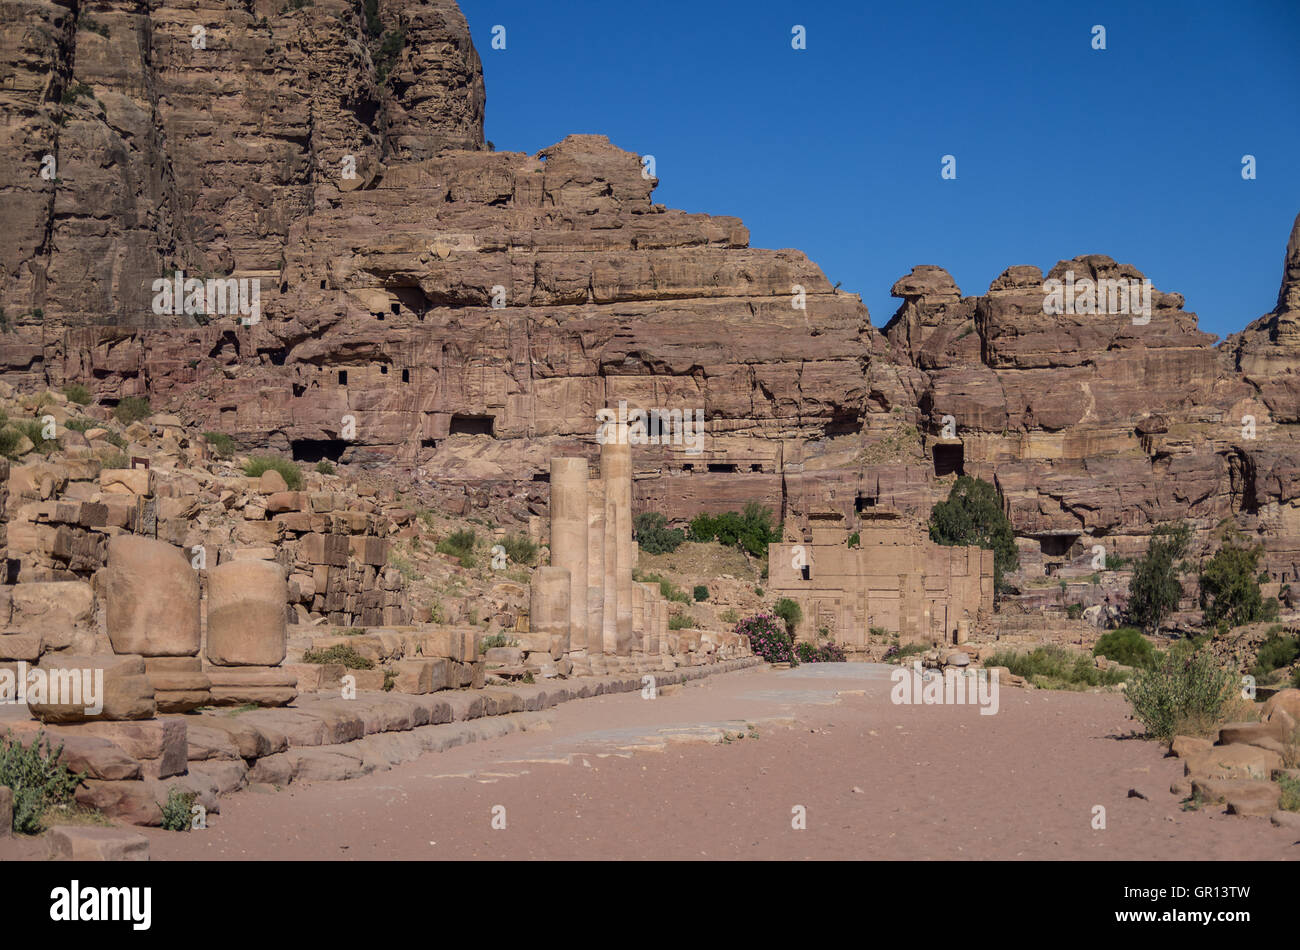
(896,654)
(496,640)
(654,535)
(789,611)
(973,514)
(520,548)
(222,445)
(132,409)
(1126,646)
(1230,588)
(10,438)
(289,471)
(1181,694)
(460,545)
(1054,667)
(80,424)
(1290,798)
(77,393)
(667,589)
(820,653)
(751,530)
(343,653)
(1074,611)
(701,593)
(855,539)
(1154,590)
(37,779)
(34,430)
(176,811)
(1275,653)
(115,460)
(680,622)
(325,467)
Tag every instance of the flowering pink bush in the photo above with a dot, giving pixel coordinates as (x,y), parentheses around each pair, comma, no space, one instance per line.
(768,638)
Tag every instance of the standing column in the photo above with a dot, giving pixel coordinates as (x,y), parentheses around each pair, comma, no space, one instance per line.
(616,471)
(595,600)
(650,619)
(569,541)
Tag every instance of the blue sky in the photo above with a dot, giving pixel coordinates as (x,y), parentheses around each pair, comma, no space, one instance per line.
(1133,151)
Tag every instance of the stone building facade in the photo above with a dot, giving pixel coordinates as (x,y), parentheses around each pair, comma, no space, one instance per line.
(893,579)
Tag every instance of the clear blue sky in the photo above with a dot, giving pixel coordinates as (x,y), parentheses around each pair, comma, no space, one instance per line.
(1134,151)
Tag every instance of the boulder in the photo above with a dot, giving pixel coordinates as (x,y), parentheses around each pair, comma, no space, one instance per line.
(80,843)
(132,802)
(1183,746)
(1232,762)
(1282,706)
(272,482)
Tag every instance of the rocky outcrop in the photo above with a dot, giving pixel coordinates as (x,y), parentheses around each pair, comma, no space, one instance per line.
(459,315)
(193,135)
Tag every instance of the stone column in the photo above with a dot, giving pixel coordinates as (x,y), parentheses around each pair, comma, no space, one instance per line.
(152,595)
(638,618)
(616,471)
(663,626)
(246,636)
(569,541)
(650,619)
(246,602)
(548,605)
(595,599)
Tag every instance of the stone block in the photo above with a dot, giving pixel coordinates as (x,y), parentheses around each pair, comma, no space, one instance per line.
(246,614)
(81,843)
(126,481)
(152,596)
(127,693)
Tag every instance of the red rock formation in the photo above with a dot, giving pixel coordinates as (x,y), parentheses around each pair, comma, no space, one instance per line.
(464,313)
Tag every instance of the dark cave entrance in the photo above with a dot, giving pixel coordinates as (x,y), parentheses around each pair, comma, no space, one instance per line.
(315,450)
(949,458)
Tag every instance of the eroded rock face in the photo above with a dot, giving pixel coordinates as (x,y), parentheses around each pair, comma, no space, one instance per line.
(194,134)
(1098,426)
(461,314)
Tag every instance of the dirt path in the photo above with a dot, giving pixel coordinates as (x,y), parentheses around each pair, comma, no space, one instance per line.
(877,781)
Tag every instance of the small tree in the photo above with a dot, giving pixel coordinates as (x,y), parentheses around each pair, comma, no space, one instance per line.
(1154,590)
(789,611)
(973,514)
(1126,646)
(132,409)
(654,535)
(1181,694)
(1230,588)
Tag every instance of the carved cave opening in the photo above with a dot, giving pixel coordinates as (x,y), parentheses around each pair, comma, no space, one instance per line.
(314,450)
(473,425)
(949,458)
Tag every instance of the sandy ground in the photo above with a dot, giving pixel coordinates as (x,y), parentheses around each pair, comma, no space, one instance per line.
(626,777)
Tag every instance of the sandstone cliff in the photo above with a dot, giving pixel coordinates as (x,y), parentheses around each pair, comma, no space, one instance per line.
(459,314)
